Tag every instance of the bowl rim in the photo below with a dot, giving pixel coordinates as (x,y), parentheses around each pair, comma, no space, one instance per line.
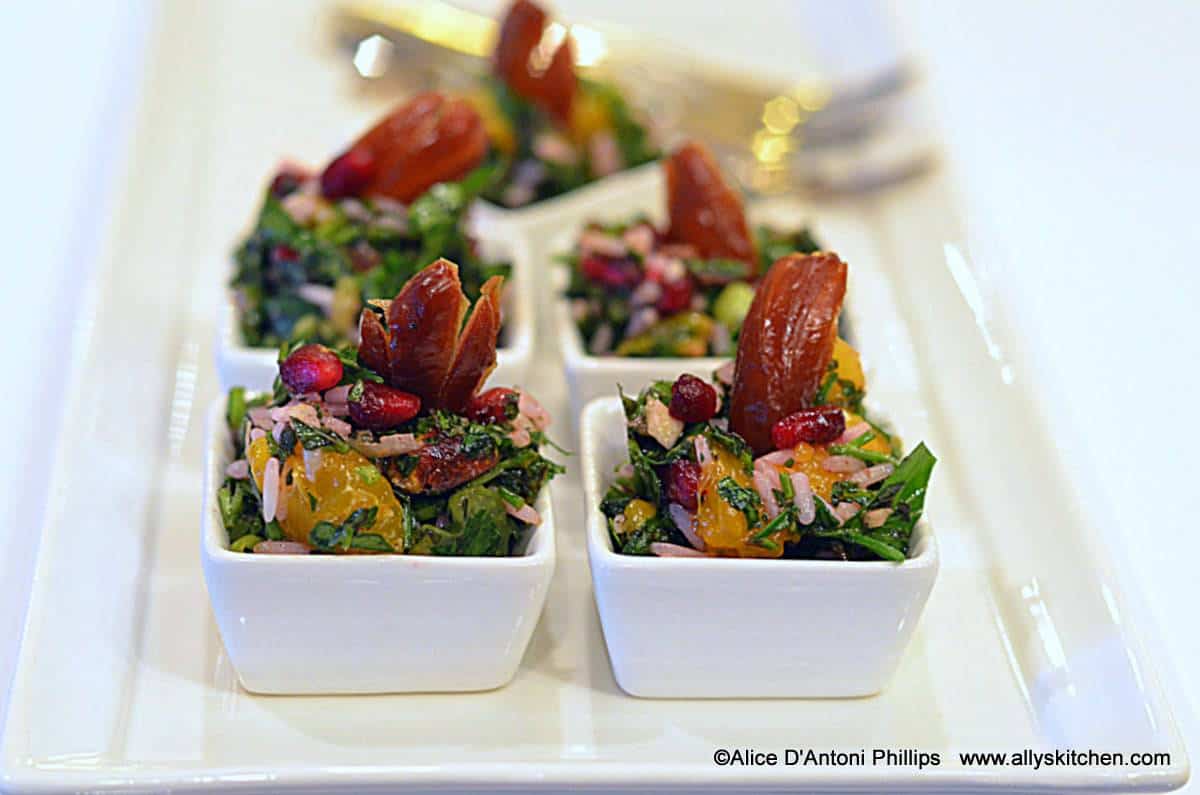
(576,358)
(539,552)
(542,210)
(602,554)
(520,324)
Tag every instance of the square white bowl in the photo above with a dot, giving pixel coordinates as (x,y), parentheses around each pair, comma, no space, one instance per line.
(310,624)
(742,628)
(255,368)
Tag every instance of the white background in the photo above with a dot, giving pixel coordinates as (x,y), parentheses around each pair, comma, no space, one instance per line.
(1071,133)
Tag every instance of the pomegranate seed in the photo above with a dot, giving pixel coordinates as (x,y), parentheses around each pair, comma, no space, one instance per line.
(617,273)
(310,368)
(676,296)
(496,405)
(283,253)
(683,483)
(381,407)
(819,425)
(347,174)
(286,181)
(692,400)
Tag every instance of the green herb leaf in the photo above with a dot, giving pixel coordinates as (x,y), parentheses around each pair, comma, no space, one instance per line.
(742,498)
(316,438)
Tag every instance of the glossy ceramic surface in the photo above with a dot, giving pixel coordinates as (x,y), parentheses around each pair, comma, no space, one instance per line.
(304,624)
(697,627)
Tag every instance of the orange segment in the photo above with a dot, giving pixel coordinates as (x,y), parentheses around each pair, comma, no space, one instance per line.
(342,483)
(722,527)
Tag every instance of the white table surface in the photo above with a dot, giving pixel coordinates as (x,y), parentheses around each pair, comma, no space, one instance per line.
(1070,134)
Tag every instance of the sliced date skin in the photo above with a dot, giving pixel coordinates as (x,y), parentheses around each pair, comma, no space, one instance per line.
(786,343)
(476,355)
(441,465)
(554,88)
(704,211)
(423,324)
(373,344)
(427,140)
(418,347)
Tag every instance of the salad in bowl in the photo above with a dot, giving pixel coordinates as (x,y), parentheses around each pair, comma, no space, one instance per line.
(776,457)
(679,291)
(552,131)
(642,302)
(379,493)
(327,242)
(390,448)
(771,484)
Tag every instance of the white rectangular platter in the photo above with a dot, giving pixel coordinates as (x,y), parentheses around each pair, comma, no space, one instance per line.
(123,684)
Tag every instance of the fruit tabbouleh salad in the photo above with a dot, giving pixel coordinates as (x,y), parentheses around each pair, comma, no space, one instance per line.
(776,457)
(682,291)
(551,130)
(326,243)
(390,448)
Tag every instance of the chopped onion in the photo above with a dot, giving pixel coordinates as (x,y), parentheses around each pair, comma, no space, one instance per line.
(339,394)
(665,269)
(720,339)
(648,292)
(832,512)
(853,432)
(270,489)
(683,520)
(337,409)
(340,427)
(520,438)
(664,550)
(605,154)
(846,510)
(842,463)
(302,207)
(256,434)
(319,295)
(724,373)
(554,148)
(392,444)
(641,320)
(304,412)
(871,475)
(527,404)
(593,241)
(766,482)
(639,238)
(660,425)
(602,340)
(281,548)
(877,517)
(525,514)
(806,508)
(704,454)
(778,458)
(260,417)
(238,470)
